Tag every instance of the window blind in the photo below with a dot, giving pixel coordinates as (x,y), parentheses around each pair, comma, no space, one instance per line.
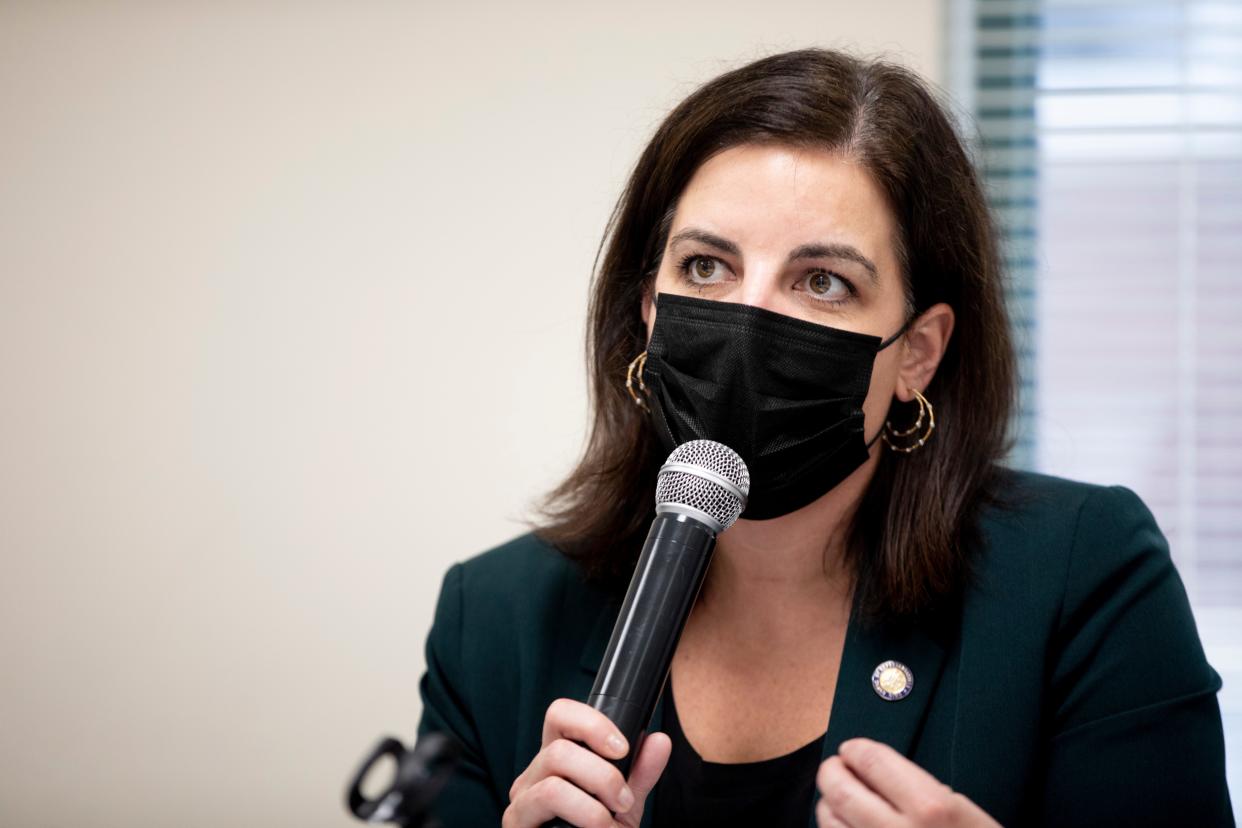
(1111,138)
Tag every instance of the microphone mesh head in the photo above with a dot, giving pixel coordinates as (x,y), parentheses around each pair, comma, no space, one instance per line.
(685,488)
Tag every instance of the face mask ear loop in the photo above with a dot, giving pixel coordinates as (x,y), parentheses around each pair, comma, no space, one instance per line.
(884,345)
(896,337)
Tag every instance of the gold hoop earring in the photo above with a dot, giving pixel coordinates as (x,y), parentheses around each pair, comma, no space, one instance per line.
(925,410)
(636,369)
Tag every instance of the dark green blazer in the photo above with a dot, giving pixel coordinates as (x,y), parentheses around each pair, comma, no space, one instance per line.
(1067,687)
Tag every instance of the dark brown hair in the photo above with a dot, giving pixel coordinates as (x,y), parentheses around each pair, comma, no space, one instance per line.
(908,542)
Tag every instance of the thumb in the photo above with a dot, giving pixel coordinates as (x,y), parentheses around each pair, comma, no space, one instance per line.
(653,753)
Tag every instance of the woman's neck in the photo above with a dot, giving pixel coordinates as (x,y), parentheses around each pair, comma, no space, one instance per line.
(774,575)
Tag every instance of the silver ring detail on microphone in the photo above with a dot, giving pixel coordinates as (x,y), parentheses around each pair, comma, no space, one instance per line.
(708,475)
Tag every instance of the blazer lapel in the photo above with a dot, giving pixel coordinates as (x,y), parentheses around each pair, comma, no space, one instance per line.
(597,641)
(858,710)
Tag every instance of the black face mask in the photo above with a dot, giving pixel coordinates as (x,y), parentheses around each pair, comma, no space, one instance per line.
(785,394)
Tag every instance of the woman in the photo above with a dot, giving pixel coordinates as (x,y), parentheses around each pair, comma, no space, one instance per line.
(897,631)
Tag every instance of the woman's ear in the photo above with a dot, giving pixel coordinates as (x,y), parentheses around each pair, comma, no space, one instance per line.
(924,345)
(647,305)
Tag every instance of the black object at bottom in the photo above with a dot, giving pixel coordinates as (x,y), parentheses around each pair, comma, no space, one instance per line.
(662,592)
(421,773)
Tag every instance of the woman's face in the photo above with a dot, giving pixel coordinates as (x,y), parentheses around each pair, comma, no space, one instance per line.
(802,232)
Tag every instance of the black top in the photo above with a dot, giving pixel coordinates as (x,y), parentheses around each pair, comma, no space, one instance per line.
(691,792)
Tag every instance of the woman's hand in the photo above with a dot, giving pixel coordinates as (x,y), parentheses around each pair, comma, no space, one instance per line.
(870,785)
(567,780)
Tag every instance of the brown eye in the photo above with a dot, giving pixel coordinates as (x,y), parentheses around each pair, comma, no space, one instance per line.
(704,268)
(827,287)
(702,271)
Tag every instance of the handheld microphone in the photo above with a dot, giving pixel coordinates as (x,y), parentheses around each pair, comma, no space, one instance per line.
(700,491)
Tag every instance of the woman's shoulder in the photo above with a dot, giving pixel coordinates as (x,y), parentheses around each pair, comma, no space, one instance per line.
(1028,497)
(1056,518)
(507,609)
(1063,550)
(525,558)
(1086,564)
(521,583)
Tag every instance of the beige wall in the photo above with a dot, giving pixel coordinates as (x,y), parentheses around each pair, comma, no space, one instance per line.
(291,302)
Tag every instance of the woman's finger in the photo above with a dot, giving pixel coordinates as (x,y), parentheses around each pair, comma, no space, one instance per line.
(825,818)
(649,764)
(552,797)
(583,768)
(851,801)
(569,719)
(908,787)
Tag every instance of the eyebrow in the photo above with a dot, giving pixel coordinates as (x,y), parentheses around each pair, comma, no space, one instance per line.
(805,251)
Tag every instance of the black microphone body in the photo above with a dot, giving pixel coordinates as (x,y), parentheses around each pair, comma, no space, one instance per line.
(700,491)
(662,592)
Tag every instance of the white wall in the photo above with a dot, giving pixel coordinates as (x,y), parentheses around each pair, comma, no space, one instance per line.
(291,302)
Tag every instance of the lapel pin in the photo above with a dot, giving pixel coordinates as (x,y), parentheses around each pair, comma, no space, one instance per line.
(892,680)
